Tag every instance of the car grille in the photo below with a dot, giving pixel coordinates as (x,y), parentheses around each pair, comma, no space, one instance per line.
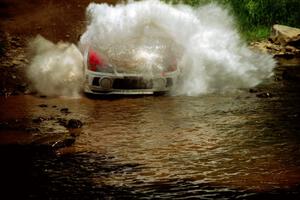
(169,82)
(96,81)
(129,83)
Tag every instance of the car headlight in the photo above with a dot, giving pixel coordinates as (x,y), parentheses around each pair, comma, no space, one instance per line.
(106,83)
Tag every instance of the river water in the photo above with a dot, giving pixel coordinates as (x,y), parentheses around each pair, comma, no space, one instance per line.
(239,145)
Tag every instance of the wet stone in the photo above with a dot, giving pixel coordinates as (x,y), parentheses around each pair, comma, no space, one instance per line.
(38,120)
(74,123)
(66,142)
(6,64)
(65,110)
(62,122)
(264,95)
(252,90)
(16,62)
(43,105)
(54,141)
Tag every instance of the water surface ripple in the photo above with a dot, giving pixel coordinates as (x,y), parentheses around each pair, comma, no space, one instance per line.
(216,146)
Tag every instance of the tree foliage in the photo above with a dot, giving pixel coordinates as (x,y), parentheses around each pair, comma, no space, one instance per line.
(257,16)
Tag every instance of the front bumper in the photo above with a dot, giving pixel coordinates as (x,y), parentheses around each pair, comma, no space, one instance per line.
(105,83)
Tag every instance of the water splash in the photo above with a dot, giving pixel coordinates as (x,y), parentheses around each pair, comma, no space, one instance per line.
(202,41)
(208,48)
(56,69)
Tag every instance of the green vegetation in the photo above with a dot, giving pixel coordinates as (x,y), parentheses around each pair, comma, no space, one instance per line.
(255,17)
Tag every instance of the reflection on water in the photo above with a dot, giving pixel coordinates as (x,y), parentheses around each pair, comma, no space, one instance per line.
(218,146)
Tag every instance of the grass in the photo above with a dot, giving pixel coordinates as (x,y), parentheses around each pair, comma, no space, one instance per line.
(256,33)
(256,17)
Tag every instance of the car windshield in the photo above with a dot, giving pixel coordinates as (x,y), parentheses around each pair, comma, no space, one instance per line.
(149,57)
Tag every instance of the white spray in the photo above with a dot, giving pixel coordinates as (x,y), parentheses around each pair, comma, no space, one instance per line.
(56,69)
(209,51)
(207,47)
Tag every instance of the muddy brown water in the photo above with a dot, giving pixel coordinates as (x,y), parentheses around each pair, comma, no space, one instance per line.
(239,145)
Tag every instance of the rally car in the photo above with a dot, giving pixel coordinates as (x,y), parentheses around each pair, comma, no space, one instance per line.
(144,71)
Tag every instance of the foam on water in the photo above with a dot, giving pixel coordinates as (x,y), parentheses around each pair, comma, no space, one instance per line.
(202,41)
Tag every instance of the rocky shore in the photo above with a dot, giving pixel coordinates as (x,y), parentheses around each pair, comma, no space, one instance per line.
(284,42)
(13,61)
(48,132)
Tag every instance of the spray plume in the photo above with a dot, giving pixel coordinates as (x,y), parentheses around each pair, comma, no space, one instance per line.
(56,69)
(207,47)
(209,50)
